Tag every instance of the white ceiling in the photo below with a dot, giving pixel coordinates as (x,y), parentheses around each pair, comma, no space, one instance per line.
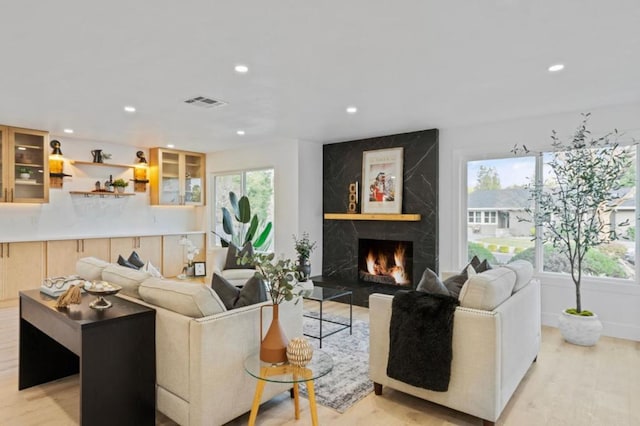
(406,64)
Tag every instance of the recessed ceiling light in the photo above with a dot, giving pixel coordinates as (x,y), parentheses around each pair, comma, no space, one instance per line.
(240,132)
(241,69)
(352,110)
(129,108)
(68,130)
(170,145)
(556,68)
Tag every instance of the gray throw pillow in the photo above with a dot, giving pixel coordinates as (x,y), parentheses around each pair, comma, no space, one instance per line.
(454,284)
(431,283)
(233,254)
(124,262)
(226,291)
(135,260)
(484,266)
(253,291)
(232,297)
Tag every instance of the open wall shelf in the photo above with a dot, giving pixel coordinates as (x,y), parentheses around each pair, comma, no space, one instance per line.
(101,194)
(91,163)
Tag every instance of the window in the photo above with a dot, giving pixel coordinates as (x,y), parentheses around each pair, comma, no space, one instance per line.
(257,185)
(497,186)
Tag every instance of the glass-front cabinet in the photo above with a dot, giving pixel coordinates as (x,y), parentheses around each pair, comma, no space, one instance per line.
(24,165)
(177,177)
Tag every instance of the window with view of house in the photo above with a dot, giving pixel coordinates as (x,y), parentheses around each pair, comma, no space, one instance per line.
(499,229)
(257,185)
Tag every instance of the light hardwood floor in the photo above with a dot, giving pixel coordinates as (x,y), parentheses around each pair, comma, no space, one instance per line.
(569,385)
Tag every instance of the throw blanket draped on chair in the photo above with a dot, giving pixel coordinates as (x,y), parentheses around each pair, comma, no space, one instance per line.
(420,335)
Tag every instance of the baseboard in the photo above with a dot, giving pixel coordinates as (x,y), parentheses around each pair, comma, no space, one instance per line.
(611,329)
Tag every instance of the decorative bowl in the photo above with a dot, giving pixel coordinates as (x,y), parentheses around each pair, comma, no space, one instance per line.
(101,289)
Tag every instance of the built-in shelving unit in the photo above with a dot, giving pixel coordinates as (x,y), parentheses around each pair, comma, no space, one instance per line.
(373,216)
(101,194)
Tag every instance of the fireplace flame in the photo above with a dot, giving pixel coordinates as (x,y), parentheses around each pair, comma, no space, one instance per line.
(378,265)
(371,263)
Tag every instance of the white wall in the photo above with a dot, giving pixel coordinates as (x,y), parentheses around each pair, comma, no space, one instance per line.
(615,303)
(298,183)
(67,216)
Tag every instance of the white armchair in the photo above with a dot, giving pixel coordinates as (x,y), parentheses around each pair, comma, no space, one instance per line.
(236,277)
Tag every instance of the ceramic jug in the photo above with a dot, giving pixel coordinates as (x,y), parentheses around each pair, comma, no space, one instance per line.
(97,155)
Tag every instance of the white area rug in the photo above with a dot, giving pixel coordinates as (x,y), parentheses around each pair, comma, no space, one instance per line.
(348,382)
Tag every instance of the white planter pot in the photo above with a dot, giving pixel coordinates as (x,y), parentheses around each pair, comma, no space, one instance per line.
(25,176)
(579,330)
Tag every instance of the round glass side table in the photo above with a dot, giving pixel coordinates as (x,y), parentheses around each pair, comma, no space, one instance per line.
(320,365)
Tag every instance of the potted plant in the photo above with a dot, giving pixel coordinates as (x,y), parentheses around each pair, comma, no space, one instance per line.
(120,185)
(573,211)
(24,172)
(280,277)
(192,252)
(304,247)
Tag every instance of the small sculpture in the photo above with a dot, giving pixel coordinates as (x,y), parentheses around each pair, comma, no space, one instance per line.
(299,351)
(71,296)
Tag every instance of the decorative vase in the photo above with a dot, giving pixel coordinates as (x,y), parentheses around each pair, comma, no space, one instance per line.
(299,351)
(304,268)
(580,330)
(190,271)
(273,346)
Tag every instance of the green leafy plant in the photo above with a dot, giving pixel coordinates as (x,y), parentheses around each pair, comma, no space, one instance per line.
(120,183)
(304,246)
(573,212)
(281,276)
(248,228)
(24,170)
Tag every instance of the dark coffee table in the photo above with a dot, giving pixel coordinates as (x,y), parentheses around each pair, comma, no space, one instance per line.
(112,349)
(322,294)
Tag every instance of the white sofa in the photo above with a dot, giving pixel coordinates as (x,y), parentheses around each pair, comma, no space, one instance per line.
(200,346)
(496,337)
(235,277)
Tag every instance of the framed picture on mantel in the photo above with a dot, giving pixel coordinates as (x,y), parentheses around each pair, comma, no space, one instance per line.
(382,181)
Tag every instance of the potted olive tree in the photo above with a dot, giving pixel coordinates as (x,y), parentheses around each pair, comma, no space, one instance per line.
(573,210)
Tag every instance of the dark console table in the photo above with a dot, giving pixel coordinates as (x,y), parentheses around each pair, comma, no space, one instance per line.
(113,350)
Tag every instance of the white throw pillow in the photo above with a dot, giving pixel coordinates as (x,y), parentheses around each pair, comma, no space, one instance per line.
(152,270)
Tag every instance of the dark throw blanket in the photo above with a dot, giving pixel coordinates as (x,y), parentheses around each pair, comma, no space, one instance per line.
(420,335)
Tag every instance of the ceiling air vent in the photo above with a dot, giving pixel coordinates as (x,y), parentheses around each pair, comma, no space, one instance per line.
(204,102)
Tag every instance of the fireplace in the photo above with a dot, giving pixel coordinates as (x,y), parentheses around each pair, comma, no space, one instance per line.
(387,262)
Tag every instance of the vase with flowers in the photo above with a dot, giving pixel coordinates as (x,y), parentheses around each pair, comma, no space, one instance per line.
(281,278)
(304,246)
(191,252)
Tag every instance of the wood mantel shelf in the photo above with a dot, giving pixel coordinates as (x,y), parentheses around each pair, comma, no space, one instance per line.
(373,216)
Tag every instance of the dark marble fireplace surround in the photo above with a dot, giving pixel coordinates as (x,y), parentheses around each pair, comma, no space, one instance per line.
(342,165)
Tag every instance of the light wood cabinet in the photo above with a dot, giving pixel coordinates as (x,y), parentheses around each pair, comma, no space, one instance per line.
(24,165)
(21,267)
(174,255)
(63,255)
(148,248)
(177,178)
